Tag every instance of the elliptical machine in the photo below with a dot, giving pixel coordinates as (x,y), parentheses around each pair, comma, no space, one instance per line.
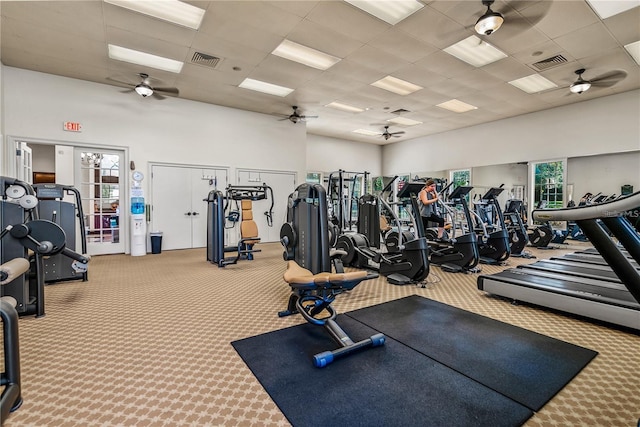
(410,264)
(493,244)
(460,254)
(518,236)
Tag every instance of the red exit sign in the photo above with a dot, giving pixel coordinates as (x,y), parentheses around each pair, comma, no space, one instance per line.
(72,126)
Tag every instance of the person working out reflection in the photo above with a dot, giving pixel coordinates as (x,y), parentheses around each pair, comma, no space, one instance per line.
(429,212)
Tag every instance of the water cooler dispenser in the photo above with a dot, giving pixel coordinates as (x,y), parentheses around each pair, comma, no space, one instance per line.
(138,219)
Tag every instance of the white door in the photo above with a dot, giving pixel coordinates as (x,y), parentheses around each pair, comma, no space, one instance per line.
(282,184)
(179,209)
(99,179)
(24,162)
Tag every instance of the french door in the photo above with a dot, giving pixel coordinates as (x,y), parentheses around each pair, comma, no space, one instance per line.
(100,181)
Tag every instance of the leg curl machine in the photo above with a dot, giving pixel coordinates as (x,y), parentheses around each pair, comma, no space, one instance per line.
(306,241)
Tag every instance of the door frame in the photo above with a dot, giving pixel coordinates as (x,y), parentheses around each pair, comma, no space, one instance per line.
(11,159)
(151,164)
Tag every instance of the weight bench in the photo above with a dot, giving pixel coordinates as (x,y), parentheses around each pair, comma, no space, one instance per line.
(312,294)
(11,397)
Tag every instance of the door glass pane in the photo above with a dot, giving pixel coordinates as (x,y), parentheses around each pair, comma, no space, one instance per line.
(100,190)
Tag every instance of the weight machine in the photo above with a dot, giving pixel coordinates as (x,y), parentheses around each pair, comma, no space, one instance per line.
(218,204)
(23,231)
(51,205)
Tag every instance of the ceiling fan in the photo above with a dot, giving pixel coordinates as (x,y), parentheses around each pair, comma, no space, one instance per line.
(145,88)
(296,117)
(605,80)
(491,21)
(386,134)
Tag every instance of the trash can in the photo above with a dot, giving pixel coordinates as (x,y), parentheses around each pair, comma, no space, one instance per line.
(156,242)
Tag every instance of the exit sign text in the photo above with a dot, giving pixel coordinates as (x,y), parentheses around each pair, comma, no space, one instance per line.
(72,126)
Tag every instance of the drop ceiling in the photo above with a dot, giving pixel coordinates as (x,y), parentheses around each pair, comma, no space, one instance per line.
(70,38)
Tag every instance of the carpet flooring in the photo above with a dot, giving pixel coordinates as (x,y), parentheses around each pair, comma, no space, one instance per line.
(146,342)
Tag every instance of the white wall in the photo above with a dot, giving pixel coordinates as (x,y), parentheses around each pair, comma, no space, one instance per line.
(599,126)
(605,173)
(173,130)
(485,177)
(326,154)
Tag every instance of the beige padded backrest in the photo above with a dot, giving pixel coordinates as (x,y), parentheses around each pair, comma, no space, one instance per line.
(248,227)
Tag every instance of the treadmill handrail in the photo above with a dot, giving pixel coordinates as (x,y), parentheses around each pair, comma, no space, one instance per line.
(607,209)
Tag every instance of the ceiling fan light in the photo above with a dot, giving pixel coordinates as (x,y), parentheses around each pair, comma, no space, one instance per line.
(144,90)
(579,87)
(489,22)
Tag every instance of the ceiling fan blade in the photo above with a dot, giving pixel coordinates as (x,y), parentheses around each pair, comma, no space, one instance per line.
(120,82)
(397,133)
(158,96)
(609,79)
(308,117)
(173,91)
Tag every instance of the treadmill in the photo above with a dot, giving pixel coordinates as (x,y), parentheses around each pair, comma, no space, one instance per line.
(573,286)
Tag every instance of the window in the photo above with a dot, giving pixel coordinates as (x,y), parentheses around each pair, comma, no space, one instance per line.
(460,177)
(314,177)
(548,184)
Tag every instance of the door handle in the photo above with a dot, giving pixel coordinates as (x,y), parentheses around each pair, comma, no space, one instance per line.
(188,213)
(195,213)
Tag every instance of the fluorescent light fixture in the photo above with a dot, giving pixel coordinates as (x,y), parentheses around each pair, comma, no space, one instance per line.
(634,50)
(390,11)
(395,85)
(533,84)
(366,132)
(457,106)
(404,121)
(344,107)
(607,8)
(136,57)
(476,52)
(264,87)
(173,11)
(305,55)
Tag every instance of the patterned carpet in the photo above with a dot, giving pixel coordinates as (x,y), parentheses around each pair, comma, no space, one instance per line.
(146,342)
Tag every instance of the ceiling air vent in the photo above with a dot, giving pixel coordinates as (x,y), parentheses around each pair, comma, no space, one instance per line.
(205,60)
(400,111)
(545,64)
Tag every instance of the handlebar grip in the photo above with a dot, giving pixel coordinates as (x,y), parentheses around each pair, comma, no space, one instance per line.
(74,255)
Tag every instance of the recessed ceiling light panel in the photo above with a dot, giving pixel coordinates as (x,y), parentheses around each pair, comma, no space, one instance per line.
(366,132)
(395,85)
(457,106)
(305,55)
(533,84)
(634,50)
(173,11)
(390,11)
(344,107)
(265,87)
(141,58)
(607,8)
(476,52)
(404,121)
